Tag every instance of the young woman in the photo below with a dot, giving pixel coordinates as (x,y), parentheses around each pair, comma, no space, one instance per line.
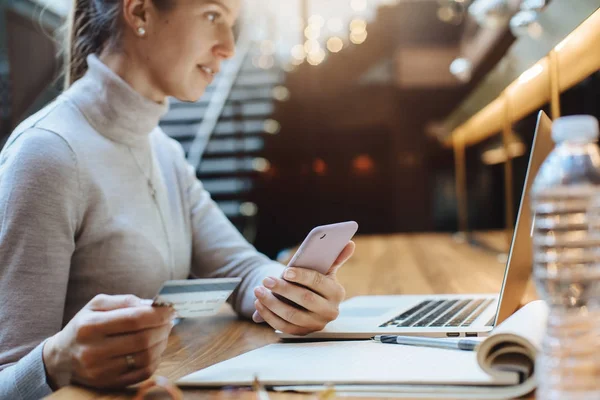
(99,207)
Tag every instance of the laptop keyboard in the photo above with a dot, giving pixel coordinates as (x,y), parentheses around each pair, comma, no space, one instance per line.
(444,319)
(432,317)
(439,313)
(420,314)
(477,313)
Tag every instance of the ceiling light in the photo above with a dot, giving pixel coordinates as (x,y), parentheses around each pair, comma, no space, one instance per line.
(446,14)
(272,126)
(490,13)
(317,57)
(358,25)
(462,69)
(358,5)
(335,44)
(317,21)
(312,32)
(526,23)
(534,5)
(261,164)
(358,37)
(311,46)
(266,62)
(281,93)
(248,209)
(451,11)
(298,52)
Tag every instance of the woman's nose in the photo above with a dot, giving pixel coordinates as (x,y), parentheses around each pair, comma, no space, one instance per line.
(226,47)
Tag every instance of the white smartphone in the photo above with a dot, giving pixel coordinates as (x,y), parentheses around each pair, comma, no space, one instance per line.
(320,249)
(323,245)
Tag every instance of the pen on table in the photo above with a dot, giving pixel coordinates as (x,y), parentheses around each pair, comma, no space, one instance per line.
(456,344)
(259,389)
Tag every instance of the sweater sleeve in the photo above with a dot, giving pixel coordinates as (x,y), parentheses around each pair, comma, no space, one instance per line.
(39,197)
(218,249)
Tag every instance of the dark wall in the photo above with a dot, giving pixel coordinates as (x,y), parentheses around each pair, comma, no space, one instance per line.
(324,173)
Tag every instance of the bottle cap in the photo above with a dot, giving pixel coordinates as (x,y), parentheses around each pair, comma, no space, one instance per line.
(576,128)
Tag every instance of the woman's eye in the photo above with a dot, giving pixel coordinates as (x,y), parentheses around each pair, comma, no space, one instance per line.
(213,16)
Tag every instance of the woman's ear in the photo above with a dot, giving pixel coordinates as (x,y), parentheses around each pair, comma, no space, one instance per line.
(135,15)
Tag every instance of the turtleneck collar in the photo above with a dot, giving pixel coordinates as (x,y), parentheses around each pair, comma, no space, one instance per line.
(114,108)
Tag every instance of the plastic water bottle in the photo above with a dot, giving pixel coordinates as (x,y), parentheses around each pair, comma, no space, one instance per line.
(566,265)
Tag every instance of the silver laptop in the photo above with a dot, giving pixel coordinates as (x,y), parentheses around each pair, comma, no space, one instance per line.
(449,315)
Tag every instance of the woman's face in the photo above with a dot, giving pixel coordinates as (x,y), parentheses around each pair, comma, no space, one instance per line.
(184,46)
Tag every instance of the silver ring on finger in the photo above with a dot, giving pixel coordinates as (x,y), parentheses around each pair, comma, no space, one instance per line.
(130,361)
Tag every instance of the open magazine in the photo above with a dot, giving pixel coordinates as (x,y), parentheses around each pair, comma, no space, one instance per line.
(502,366)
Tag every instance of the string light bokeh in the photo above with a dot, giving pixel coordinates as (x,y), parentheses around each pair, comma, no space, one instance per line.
(331,27)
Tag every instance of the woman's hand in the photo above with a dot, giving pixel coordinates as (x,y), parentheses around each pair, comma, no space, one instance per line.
(113,342)
(320,297)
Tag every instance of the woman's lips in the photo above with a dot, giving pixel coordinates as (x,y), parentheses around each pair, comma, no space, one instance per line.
(208,72)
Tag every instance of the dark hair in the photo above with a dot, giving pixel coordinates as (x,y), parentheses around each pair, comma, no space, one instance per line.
(94,25)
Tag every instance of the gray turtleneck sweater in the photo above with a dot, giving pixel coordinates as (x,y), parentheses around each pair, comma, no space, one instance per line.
(95,198)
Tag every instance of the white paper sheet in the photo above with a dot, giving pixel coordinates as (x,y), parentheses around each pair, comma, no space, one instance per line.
(349,362)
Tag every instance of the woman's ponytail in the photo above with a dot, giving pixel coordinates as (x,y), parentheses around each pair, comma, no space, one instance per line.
(91,26)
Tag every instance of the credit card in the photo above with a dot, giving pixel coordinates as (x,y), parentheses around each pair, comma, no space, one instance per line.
(196,297)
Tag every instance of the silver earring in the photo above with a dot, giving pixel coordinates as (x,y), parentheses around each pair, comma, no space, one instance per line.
(141,31)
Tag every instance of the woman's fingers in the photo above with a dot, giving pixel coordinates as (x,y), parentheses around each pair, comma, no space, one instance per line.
(342,257)
(128,343)
(317,295)
(104,302)
(290,314)
(257,318)
(324,285)
(117,322)
(113,368)
(143,358)
(303,297)
(279,323)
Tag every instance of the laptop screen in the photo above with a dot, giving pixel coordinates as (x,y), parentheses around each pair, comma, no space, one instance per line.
(519,264)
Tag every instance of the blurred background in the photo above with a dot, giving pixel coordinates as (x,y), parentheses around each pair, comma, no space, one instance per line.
(339,110)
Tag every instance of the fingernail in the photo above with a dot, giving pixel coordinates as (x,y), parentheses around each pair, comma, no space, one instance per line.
(290,274)
(146,302)
(258,319)
(259,291)
(268,282)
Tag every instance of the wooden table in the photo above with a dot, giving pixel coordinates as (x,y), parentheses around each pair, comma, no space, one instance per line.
(382,264)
